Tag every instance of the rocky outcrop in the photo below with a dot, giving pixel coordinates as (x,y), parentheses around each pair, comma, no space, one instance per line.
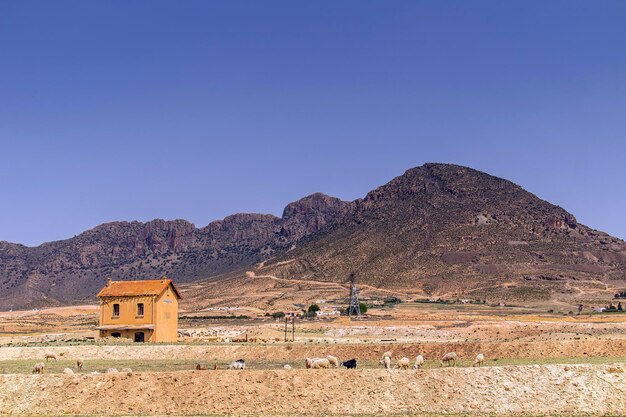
(73,269)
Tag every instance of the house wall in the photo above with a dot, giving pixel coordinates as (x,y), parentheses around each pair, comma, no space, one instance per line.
(129,334)
(161,311)
(166,315)
(128,314)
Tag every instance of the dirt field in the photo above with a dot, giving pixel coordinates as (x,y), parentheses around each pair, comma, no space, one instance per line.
(537,363)
(583,389)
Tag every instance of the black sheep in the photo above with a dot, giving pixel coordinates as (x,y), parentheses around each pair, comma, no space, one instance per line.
(351,364)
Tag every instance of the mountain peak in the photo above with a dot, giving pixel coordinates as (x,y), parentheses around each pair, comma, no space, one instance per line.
(314,203)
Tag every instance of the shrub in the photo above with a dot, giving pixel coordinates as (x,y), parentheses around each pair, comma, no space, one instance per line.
(313,308)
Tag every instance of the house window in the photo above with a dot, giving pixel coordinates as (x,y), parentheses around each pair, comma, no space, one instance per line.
(140,309)
(116,334)
(116,310)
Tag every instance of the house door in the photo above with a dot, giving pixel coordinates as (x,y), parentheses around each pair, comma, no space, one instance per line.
(139,337)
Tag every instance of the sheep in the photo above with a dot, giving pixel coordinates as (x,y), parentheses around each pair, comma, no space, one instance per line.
(200,368)
(333,361)
(127,370)
(419,362)
(68,371)
(287,367)
(111,371)
(386,362)
(238,364)
(79,364)
(351,364)
(403,363)
(449,359)
(387,354)
(39,368)
(480,358)
(50,355)
(308,362)
(317,363)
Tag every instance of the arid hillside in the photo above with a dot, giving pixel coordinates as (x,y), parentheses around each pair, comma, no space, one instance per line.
(437,230)
(446,230)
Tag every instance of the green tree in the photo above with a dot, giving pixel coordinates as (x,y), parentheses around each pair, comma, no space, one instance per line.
(278,315)
(313,308)
(362,307)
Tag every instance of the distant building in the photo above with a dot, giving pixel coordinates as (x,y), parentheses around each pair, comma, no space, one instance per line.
(328,311)
(144,311)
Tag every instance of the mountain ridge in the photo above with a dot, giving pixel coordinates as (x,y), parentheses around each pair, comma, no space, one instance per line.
(437,228)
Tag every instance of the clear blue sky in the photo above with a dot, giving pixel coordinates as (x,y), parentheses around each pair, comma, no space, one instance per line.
(134,110)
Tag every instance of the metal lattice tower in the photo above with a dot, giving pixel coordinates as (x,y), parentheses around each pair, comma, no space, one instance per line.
(354,298)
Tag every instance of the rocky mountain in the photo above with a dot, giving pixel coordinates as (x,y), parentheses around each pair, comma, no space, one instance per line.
(74,269)
(450,230)
(437,230)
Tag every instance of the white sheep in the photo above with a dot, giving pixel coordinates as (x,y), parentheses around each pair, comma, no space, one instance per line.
(386,362)
(127,370)
(68,371)
(449,359)
(238,364)
(287,366)
(317,363)
(308,362)
(387,354)
(39,368)
(480,358)
(419,362)
(333,361)
(111,371)
(403,363)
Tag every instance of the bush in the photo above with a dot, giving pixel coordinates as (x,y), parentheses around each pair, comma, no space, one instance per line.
(363,308)
(313,308)
(278,315)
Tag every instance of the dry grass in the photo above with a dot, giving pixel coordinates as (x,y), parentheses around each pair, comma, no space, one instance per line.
(25,366)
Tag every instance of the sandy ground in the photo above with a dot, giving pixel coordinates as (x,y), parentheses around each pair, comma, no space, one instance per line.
(297,352)
(583,389)
(538,363)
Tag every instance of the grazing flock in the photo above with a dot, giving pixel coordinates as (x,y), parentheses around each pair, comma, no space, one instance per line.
(403,363)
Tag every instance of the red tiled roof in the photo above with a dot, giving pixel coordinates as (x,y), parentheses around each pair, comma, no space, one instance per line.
(136,288)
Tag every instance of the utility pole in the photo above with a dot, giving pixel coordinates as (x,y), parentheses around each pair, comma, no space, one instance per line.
(354,308)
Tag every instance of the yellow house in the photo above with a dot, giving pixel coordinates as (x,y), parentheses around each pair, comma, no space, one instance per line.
(144,311)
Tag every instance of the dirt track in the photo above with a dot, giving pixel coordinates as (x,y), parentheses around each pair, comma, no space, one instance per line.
(296,352)
(593,389)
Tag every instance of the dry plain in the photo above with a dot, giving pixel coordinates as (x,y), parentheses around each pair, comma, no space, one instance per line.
(537,363)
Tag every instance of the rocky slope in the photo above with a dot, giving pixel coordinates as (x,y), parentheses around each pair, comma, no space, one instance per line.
(437,230)
(74,269)
(454,231)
